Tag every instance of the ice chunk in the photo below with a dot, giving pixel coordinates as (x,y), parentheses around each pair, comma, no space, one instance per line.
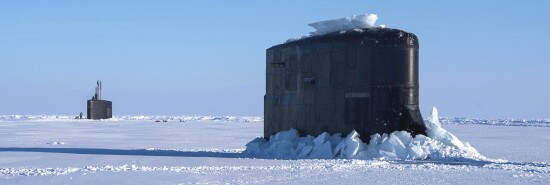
(323,151)
(344,24)
(436,132)
(434,117)
(439,144)
(350,146)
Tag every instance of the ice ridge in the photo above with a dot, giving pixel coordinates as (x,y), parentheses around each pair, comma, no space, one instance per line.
(439,144)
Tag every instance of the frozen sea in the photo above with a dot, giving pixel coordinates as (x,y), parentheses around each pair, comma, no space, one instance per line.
(207,150)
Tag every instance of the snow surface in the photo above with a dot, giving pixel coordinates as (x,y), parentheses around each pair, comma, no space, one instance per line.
(119,151)
(501,122)
(443,120)
(41,118)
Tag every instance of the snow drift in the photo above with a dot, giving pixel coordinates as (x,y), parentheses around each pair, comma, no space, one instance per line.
(439,145)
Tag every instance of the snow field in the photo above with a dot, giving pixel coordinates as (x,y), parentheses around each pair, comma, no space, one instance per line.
(211,152)
(65,118)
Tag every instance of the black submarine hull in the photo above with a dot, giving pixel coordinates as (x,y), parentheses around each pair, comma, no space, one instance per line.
(99,109)
(364,80)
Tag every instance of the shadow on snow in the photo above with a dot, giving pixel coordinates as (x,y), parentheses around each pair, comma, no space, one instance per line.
(129,152)
(527,166)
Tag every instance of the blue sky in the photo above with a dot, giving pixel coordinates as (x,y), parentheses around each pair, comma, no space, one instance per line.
(483,59)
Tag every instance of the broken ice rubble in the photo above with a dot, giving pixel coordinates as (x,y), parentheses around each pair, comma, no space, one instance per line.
(439,144)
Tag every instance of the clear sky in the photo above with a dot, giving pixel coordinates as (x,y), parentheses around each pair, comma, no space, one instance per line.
(482,59)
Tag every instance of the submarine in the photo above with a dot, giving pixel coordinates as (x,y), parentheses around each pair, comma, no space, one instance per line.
(98,108)
(362,79)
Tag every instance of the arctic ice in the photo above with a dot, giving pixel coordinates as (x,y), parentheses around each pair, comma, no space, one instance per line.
(351,23)
(344,24)
(439,144)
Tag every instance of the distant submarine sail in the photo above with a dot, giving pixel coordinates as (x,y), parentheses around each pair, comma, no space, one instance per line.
(98,108)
